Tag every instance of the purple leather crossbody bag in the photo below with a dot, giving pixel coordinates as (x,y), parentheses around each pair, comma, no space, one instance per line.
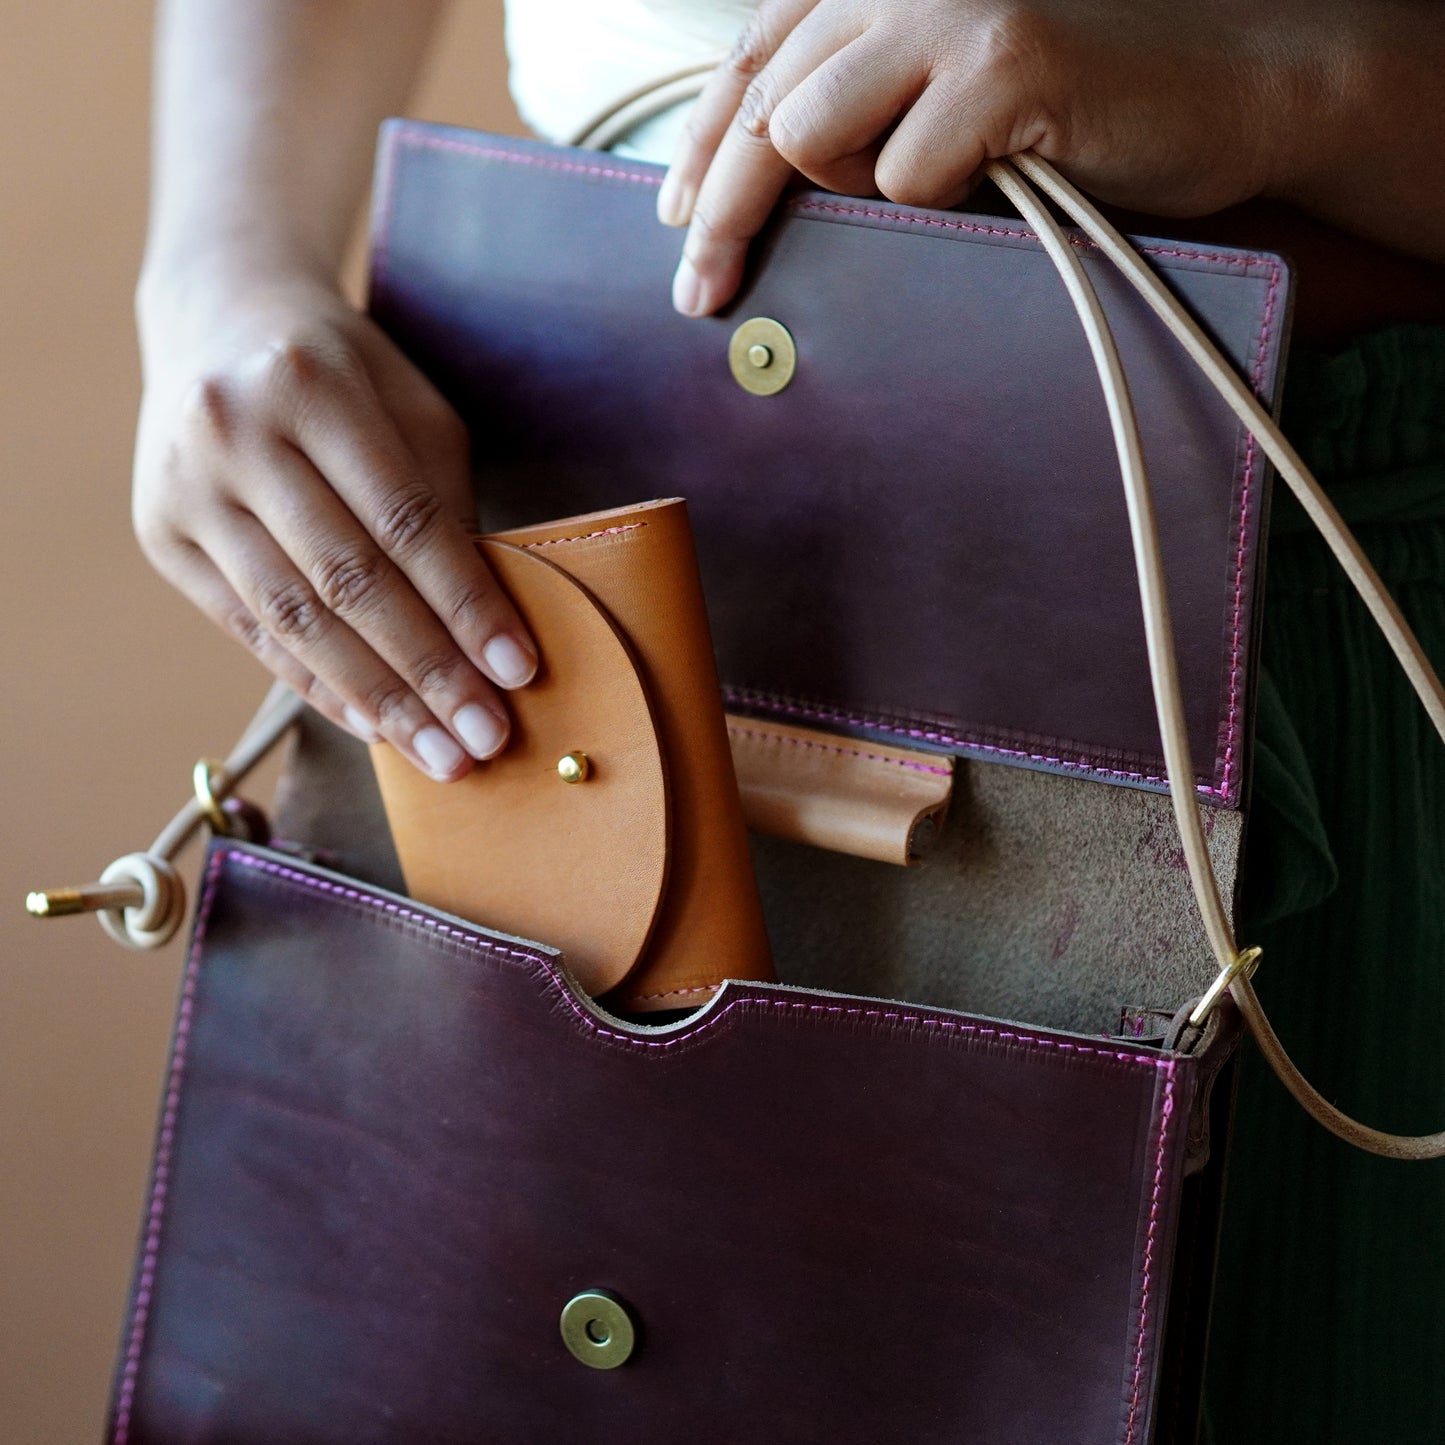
(397,1149)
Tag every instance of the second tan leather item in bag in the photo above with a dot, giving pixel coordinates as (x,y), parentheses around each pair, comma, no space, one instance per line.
(638,870)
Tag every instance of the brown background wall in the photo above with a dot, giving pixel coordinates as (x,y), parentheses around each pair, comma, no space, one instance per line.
(109,685)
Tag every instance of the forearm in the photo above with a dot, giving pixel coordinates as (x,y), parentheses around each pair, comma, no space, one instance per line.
(1369,153)
(265,122)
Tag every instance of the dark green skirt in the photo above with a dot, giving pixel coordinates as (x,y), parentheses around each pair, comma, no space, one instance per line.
(1329,1321)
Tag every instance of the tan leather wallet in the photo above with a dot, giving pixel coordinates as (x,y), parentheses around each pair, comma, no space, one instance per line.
(637,869)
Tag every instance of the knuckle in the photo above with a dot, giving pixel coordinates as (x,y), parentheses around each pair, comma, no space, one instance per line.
(293,368)
(471,612)
(389,702)
(755,110)
(210,411)
(242,625)
(438,673)
(407,516)
(348,579)
(751,50)
(289,610)
(296,361)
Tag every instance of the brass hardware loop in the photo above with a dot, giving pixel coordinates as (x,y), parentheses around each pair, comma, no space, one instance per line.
(202,776)
(1244,964)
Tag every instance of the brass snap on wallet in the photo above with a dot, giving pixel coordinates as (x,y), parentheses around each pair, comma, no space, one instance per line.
(610,827)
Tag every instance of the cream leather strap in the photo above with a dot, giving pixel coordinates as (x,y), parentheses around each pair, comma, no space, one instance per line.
(616,123)
(1235,968)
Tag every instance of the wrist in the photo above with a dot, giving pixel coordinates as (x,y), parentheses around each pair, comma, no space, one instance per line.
(189,293)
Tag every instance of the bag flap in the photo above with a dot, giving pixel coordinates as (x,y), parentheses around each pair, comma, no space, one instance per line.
(923,536)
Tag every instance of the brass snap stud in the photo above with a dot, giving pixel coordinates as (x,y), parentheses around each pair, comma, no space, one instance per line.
(597,1329)
(762,356)
(574,768)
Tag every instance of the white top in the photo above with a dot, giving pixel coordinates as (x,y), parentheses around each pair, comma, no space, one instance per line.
(573,60)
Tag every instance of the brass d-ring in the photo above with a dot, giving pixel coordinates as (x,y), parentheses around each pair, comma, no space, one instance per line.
(211,810)
(1245,964)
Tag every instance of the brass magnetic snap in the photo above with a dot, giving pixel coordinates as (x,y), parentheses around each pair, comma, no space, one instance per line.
(597,1329)
(574,768)
(762,356)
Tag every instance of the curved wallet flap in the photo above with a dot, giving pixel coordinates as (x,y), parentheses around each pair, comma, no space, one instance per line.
(511,844)
(923,537)
(641,873)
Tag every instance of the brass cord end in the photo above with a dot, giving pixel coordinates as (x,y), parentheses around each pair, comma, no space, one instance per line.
(54,904)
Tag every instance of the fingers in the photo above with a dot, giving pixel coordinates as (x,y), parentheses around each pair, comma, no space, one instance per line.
(860,97)
(188,568)
(717,107)
(358,584)
(423,570)
(831,126)
(936,155)
(286,606)
(728,161)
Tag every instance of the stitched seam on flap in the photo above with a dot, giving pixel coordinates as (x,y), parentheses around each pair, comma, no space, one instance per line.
(584,536)
(1250,458)
(1166,1114)
(933,735)
(1244,262)
(762,736)
(140,1313)
(1014,1041)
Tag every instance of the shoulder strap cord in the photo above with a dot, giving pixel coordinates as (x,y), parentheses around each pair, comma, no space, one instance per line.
(1235,968)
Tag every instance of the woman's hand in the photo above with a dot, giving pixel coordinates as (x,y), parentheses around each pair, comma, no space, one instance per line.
(305,486)
(1172,109)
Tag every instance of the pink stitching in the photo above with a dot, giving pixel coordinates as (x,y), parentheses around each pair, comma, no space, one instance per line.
(1245,261)
(738,732)
(1256,381)
(777,704)
(1166,1114)
(496,153)
(585,536)
(673,992)
(1028,1042)
(156,1212)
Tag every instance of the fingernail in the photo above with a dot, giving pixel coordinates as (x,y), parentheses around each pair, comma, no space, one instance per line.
(438,751)
(674,201)
(359,724)
(481,730)
(510,663)
(687,289)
